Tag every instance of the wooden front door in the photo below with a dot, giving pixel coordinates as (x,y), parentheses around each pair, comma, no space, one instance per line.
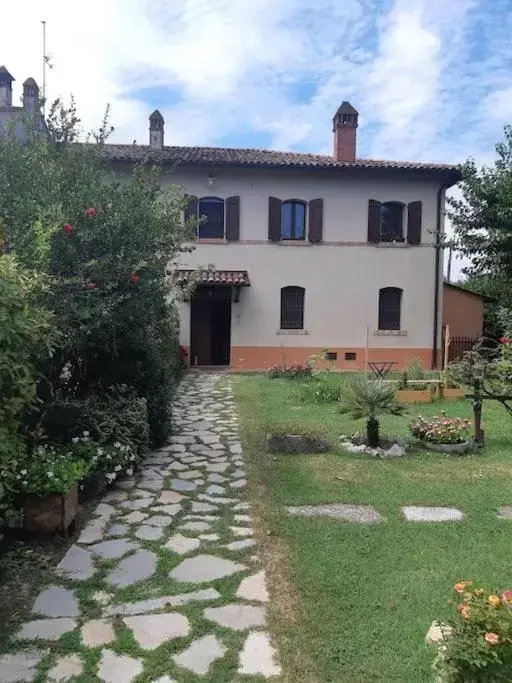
(210,326)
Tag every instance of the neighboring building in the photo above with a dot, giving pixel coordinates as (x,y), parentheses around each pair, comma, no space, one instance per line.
(9,113)
(306,251)
(463,312)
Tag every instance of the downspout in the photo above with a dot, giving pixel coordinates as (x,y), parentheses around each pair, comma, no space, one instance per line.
(438,248)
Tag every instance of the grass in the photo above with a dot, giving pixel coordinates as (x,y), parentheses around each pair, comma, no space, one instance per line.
(353,602)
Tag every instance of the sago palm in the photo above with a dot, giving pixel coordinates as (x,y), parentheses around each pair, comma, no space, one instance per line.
(363,399)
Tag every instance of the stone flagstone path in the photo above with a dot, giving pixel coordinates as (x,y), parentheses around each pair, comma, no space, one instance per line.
(163,584)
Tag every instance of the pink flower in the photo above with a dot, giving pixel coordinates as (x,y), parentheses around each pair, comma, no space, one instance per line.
(91,212)
(506,596)
(134,278)
(492,638)
(68,228)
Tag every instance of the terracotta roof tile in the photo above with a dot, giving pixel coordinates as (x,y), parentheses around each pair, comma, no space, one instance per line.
(213,277)
(264,158)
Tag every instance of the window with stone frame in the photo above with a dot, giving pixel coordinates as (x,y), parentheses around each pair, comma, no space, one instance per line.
(390,304)
(292,308)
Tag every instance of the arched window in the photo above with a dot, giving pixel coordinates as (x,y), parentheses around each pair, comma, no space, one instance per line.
(293,220)
(391,222)
(390,303)
(292,308)
(211,211)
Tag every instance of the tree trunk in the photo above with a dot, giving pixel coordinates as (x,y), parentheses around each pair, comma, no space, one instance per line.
(372,432)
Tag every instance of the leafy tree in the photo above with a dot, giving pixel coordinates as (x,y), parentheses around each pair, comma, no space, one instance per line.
(108,245)
(482,220)
(363,399)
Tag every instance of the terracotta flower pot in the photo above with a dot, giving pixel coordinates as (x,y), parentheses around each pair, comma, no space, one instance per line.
(412,396)
(50,512)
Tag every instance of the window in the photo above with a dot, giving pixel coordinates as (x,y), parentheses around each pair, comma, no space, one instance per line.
(292,308)
(350,355)
(390,300)
(391,222)
(293,220)
(211,210)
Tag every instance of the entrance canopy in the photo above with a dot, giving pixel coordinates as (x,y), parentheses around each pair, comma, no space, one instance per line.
(237,278)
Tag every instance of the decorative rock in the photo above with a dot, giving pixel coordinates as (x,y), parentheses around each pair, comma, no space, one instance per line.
(181,544)
(201,653)
(56,602)
(65,669)
(253,588)
(235,616)
(217,467)
(150,631)
(112,550)
(204,568)
(149,533)
(97,632)
(191,474)
(241,545)
(364,514)
(209,537)
(195,526)
(216,478)
(118,530)
(438,633)
(238,484)
(415,513)
(169,510)
(203,507)
(258,656)
(177,466)
(104,510)
(155,604)
(135,517)
(395,451)
(21,666)
(139,504)
(115,668)
(45,629)
(182,485)
(76,564)
(170,497)
(151,484)
(134,568)
(93,532)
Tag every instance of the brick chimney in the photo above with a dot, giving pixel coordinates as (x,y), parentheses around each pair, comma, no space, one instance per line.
(344,127)
(156,130)
(5,88)
(30,95)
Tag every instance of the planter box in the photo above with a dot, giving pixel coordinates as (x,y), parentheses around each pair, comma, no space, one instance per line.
(448,448)
(411,396)
(50,512)
(453,394)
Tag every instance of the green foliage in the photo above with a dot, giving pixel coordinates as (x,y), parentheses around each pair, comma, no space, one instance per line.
(12,452)
(479,647)
(441,429)
(320,389)
(296,427)
(363,399)
(292,371)
(415,369)
(50,470)
(27,335)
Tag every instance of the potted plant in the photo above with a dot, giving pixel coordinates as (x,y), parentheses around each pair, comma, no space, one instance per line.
(49,480)
(363,399)
(443,434)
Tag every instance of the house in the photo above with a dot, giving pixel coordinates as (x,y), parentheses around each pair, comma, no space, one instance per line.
(298,252)
(13,115)
(463,312)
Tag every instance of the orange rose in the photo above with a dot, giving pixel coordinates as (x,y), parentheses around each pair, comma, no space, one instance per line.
(492,638)
(460,587)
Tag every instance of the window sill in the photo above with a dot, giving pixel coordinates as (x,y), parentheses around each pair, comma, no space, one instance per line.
(392,245)
(211,240)
(390,333)
(292,332)
(293,243)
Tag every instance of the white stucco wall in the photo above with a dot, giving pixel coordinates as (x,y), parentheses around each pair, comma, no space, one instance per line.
(342,276)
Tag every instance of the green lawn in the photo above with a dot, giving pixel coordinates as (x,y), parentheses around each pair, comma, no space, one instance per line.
(353,602)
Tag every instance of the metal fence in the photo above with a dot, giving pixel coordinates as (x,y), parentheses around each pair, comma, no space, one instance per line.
(458,345)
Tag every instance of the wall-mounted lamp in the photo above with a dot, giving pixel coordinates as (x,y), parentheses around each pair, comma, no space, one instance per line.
(211,179)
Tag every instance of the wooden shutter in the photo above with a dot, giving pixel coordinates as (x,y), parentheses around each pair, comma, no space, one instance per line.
(274,219)
(191,207)
(233,219)
(373,221)
(414,222)
(316,219)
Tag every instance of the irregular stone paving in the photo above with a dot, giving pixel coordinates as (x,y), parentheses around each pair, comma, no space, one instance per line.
(168,557)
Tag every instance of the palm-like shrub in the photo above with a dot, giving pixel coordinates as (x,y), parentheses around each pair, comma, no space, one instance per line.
(363,399)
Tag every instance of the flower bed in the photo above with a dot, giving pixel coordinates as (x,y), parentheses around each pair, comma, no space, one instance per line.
(442,431)
(292,371)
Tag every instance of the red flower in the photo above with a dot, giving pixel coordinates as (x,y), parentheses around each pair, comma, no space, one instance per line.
(91,212)
(134,278)
(506,340)
(68,228)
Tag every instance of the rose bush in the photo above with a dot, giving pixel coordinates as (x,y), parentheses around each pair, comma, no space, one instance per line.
(441,429)
(479,645)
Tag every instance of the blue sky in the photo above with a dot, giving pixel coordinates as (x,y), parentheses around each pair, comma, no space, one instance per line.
(432,79)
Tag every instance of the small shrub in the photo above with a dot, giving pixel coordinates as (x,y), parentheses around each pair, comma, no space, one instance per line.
(312,429)
(50,470)
(479,647)
(320,390)
(293,371)
(415,369)
(441,429)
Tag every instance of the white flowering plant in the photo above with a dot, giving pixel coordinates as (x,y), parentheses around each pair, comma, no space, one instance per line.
(111,459)
(50,469)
